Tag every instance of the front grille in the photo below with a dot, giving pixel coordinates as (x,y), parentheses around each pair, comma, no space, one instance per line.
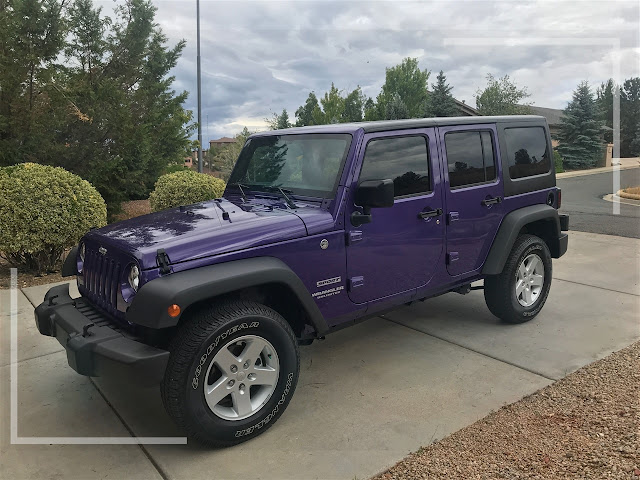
(101,280)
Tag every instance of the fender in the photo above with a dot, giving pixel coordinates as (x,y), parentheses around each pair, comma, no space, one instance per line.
(149,306)
(510,228)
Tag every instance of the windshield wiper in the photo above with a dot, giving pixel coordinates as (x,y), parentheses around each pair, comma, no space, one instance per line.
(240,187)
(283,192)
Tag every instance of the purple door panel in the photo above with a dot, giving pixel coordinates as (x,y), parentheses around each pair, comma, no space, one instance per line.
(474,211)
(398,251)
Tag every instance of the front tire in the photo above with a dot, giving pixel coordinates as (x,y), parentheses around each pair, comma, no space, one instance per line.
(232,371)
(519,292)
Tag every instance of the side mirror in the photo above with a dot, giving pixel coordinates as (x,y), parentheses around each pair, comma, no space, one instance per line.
(372,194)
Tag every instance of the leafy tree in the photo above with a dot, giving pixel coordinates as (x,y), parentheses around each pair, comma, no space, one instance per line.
(332,105)
(580,134)
(309,113)
(629,115)
(407,83)
(353,109)
(604,100)
(395,108)
(227,156)
(440,102)
(502,97)
(370,110)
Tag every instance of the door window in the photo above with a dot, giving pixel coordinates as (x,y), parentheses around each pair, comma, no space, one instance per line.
(470,158)
(405,160)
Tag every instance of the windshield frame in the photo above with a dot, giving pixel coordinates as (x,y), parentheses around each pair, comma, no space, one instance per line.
(253,142)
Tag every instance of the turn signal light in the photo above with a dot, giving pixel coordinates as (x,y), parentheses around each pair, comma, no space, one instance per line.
(173,310)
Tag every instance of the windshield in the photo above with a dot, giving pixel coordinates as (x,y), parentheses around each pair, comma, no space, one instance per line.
(307,165)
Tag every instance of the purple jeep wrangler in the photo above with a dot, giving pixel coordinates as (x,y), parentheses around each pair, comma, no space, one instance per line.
(319,227)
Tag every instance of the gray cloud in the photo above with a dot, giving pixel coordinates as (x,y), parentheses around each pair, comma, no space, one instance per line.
(260,57)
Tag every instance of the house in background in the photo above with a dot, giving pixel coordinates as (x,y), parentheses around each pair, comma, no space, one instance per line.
(553,116)
(215,145)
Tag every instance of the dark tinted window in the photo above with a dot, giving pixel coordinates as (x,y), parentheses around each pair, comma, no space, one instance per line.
(527,151)
(404,160)
(470,158)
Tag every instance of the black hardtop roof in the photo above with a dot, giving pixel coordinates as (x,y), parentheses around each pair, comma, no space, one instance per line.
(388,125)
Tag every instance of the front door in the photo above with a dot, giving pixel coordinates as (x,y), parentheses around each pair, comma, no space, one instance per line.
(474,194)
(401,247)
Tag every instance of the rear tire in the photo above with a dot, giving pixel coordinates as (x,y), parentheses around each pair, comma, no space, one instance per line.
(232,371)
(519,292)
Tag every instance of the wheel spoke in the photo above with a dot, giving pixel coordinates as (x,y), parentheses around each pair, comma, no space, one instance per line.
(519,288)
(522,271)
(538,280)
(533,264)
(224,359)
(527,295)
(217,392)
(252,350)
(241,402)
(265,376)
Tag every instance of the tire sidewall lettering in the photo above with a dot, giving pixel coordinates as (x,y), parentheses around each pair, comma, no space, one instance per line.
(203,359)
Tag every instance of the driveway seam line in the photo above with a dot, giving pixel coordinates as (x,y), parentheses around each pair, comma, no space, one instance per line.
(473,350)
(33,358)
(146,453)
(595,286)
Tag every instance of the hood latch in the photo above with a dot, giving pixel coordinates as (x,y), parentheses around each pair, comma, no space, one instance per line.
(163,261)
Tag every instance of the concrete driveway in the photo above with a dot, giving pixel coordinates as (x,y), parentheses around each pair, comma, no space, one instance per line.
(367,395)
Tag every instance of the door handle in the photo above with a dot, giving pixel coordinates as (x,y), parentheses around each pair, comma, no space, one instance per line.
(430,213)
(491,201)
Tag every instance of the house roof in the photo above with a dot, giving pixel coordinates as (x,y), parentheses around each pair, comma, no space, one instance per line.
(553,115)
(223,140)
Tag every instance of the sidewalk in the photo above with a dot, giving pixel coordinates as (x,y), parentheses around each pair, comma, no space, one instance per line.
(624,164)
(367,396)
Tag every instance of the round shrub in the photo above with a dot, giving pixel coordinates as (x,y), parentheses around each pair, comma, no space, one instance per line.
(43,211)
(184,188)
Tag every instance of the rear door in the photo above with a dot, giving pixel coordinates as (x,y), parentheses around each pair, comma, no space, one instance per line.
(400,249)
(474,194)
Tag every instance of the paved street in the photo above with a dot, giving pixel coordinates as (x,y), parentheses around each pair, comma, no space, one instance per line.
(367,395)
(582,200)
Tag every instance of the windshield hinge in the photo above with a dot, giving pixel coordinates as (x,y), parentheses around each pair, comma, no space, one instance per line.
(163,261)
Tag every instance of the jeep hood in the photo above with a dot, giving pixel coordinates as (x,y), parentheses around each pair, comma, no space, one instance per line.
(206,229)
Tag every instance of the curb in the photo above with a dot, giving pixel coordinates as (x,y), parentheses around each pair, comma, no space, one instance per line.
(593,171)
(616,199)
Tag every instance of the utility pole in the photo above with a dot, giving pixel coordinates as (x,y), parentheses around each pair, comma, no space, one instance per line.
(199,91)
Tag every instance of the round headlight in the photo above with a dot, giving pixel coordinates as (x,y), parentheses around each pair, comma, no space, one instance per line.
(82,251)
(134,277)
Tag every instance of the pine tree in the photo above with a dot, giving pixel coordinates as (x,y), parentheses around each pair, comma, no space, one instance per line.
(604,100)
(629,114)
(634,147)
(580,134)
(308,113)
(396,109)
(440,102)
(283,120)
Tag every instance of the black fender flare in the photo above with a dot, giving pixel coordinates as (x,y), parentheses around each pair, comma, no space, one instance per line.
(510,228)
(149,306)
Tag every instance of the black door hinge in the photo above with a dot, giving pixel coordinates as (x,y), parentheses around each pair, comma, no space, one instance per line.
(163,261)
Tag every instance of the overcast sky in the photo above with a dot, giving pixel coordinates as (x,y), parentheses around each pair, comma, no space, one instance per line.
(261,57)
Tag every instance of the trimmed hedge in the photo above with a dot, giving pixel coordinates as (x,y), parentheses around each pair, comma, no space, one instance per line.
(43,211)
(184,188)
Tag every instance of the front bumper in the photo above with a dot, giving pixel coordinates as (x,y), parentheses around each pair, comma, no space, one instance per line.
(96,346)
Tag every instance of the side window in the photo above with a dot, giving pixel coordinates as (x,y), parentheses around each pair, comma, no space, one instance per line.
(405,160)
(527,151)
(470,158)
